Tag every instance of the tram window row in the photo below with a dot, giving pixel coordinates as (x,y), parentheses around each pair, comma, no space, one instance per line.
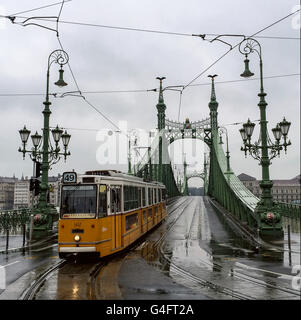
(79,199)
(135,197)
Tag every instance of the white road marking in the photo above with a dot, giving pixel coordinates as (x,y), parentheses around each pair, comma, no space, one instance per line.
(6,265)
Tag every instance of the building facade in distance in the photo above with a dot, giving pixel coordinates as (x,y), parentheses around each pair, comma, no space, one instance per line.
(282,191)
(7,186)
(16,194)
(22,194)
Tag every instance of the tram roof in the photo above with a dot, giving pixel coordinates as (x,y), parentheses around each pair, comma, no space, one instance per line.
(118,175)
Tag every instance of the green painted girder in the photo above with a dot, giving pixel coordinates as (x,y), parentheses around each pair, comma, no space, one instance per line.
(160,170)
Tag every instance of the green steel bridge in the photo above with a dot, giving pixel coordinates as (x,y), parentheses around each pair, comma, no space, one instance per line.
(221,184)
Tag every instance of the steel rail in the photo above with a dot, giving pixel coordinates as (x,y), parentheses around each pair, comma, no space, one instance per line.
(31,291)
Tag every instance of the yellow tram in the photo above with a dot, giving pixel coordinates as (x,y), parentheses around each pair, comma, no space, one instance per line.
(103,212)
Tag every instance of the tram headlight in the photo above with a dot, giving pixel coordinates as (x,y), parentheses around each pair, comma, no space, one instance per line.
(77,238)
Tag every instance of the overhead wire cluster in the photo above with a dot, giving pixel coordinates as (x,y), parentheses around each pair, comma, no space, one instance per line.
(79,92)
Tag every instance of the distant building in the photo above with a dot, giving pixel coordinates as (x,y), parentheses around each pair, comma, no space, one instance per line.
(22,194)
(15,193)
(7,185)
(282,191)
(193,191)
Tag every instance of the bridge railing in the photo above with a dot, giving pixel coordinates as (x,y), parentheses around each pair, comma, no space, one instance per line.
(13,219)
(229,191)
(290,210)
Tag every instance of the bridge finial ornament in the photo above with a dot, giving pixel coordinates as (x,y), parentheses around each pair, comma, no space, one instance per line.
(213,96)
(161,100)
(161,107)
(213,104)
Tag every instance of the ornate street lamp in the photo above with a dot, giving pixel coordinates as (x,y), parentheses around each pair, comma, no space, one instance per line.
(43,154)
(223,130)
(247,73)
(61,83)
(57,133)
(24,134)
(263,149)
(36,139)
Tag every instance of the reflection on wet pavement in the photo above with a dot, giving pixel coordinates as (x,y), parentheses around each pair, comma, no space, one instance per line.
(201,250)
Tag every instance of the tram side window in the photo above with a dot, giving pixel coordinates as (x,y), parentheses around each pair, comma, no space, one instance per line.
(156,195)
(139,197)
(102,203)
(131,198)
(144,216)
(115,198)
(131,221)
(150,196)
(160,195)
(143,197)
(150,214)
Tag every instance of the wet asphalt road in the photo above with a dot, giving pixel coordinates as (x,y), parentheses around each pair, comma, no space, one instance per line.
(192,255)
(15,265)
(202,244)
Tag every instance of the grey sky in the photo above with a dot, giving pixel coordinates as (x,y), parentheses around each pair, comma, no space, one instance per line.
(107,59)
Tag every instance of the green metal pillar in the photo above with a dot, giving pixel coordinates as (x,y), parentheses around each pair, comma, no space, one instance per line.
(213,105)
(161,107)
(266,184)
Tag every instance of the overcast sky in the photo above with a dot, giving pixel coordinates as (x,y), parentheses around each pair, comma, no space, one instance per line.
(110,59)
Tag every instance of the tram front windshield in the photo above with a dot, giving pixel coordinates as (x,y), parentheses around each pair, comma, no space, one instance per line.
(78,201)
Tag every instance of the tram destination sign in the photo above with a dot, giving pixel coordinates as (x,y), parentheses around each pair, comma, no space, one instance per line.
(69,177)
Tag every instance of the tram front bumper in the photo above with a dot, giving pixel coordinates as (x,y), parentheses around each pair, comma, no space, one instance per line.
(77,249)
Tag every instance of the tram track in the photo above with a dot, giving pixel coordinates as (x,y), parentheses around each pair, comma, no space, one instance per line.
(209,284)
(31,291)
(92,291)
(34,288)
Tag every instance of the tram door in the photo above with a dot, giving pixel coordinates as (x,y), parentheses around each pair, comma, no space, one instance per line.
(115,197)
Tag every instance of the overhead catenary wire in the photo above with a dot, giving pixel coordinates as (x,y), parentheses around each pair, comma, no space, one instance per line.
(216,61)
(39,8)
(135,29)
(46,19)
(96,130)
(73,76)
(12,94)
(233,47)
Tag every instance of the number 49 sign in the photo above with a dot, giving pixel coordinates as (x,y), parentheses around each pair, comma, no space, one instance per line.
(69,177)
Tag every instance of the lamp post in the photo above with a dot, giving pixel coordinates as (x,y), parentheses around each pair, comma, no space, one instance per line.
(43,153)
(223,130)
(263,149)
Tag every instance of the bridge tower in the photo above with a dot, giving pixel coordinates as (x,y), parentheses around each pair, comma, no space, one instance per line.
(213,105)
(161,107)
